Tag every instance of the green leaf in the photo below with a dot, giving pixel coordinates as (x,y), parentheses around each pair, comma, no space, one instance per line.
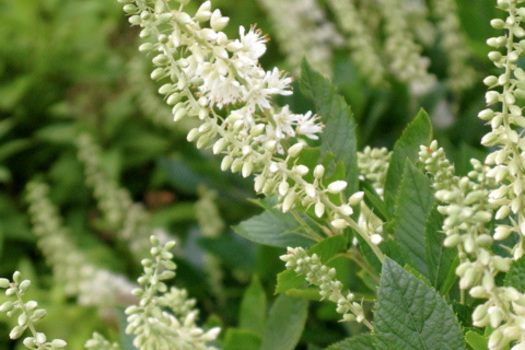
(394,251)
(329,247)
(374,201)
(369,255)
(285,323)
(274,228)
(11,148)
(476,341)
(288,280)
(412,316)
(253,308)
(326,250)
(241,339)
(441,261)
(516,276)
(417,133)
(414,203)
(63,133)
(339,134)
(232,250)
(360,342)
(6,125)
(305,293)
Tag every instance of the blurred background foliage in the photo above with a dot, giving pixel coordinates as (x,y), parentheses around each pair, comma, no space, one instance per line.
(71,66)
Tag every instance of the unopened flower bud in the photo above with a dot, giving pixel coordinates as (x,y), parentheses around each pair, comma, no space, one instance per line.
(346,210)
(452,240)
(495,56)
(319,171)
(496,316)
(479,314)
(259,183)
(283,188)
(237,165)
(319,209)
(288,202)
(356,198)
(339,223)
(478,292)
(217,21)
(337,187)
(502,232)
(203,13)
(491,97)
(497,24)
(310,191)
(247,169)
(300,169)
(295,150)
(226,163)
(486,114)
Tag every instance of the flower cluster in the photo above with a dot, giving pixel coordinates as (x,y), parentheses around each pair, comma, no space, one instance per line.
(219,81)
(153,326)
(467,211)
(360,41)
(406,62)
(417,16)
(98,342)
(329,287)
(497,185)
(71,268)
(460,72)
(128,219)
(504,309)
(208,216)
(373,165)
(211,225)
(28,313)
(307,33)
(506,161)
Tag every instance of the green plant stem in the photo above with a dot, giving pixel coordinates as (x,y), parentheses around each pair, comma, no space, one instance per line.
(30,324)
(356,256)
(310,233)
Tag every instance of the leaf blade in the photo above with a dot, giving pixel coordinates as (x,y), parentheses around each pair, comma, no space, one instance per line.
(360,342)
(516,275)
(285,324)
(418,132)
(412,316)
(414,203)
(339,134)
(273,228)
(252,315)
(441,261)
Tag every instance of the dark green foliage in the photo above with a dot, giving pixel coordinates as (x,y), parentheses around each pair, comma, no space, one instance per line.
(417,133)
(516,276)
(362,342)
(339,135)
(410,315)
(285,323)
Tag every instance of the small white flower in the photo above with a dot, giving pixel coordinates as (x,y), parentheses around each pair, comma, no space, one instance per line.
(253,43)
(307,126)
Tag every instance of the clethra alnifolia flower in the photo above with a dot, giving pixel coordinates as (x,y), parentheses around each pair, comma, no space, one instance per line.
(219,82)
